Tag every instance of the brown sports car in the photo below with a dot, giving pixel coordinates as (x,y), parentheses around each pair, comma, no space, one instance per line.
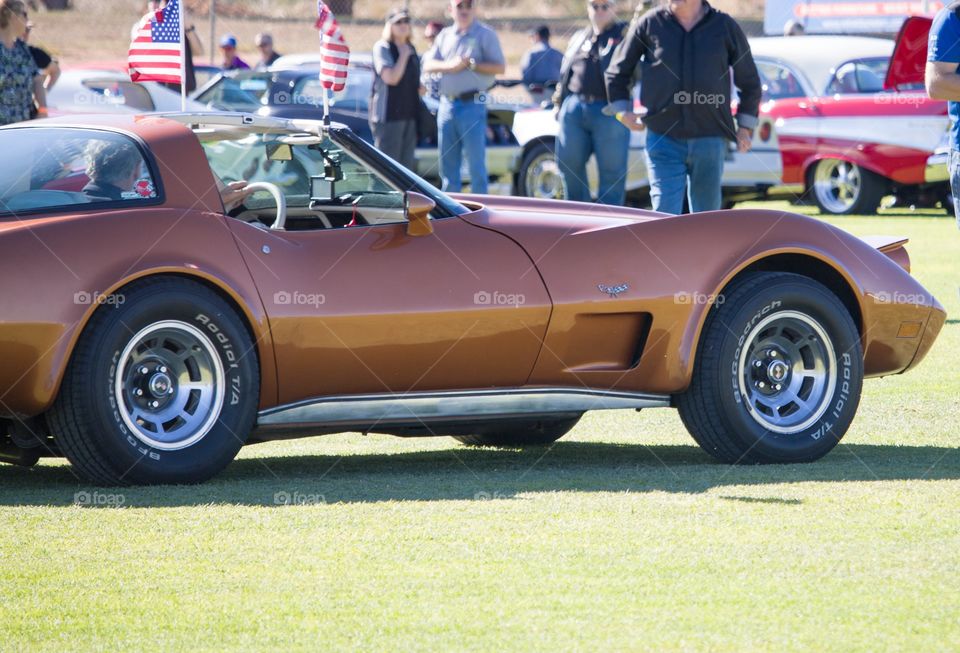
(148,331)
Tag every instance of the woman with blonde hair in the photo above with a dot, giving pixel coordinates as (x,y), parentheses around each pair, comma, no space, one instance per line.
(396,91)
(20,82)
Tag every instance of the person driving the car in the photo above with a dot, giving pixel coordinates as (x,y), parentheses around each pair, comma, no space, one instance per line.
(233,193)
(113,168)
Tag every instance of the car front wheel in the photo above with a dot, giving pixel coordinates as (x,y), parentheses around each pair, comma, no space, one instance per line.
(844,188)
(162,388)
(778,375)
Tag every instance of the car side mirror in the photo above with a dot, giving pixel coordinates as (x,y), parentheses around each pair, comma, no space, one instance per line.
(416,208)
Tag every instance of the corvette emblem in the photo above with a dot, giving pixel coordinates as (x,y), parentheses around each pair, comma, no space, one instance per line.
(613,291)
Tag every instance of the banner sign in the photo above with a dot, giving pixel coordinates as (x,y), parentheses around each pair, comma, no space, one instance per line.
(845,17)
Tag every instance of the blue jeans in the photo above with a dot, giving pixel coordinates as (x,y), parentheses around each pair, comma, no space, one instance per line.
(954,168)
(463,126)
(672,161)
(585,130)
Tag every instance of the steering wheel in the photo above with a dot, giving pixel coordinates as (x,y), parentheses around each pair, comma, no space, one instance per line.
(281,221)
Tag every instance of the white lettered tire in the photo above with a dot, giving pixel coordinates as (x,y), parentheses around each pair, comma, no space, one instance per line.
(162,387)
(778,374)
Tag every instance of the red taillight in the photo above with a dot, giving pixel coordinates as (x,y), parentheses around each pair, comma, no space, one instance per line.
(766,131)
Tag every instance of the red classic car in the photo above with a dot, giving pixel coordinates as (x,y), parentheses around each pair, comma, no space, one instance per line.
(150,328)
(852,126)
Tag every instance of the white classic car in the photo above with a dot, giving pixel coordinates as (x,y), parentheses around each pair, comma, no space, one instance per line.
(745,176)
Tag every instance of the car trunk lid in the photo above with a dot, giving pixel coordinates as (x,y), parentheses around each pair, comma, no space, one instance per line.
(909,58)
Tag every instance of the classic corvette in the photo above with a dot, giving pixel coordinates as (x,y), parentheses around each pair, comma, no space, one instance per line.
(149,330)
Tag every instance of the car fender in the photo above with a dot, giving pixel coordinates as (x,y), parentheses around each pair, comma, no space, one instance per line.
(84,265)
(616,266)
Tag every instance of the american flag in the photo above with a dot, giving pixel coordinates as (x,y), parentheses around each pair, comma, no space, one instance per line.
(334,53)
(155,51)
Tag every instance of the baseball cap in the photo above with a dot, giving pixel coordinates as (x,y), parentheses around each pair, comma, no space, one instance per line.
(228,41)
(397,15)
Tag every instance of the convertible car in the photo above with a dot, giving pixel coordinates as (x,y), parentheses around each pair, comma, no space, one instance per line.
(152,325)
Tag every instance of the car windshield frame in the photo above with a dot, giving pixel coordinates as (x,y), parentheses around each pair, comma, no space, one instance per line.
(239,77)
(395,173)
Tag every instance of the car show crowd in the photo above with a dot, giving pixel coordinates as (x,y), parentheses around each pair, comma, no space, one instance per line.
(690,61)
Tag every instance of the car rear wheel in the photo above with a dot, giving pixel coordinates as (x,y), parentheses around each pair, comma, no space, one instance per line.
(521,433)
(844,188)
(539,173)
(778,375)
(162,387)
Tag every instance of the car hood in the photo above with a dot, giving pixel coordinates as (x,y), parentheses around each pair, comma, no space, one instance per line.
(537,225)
(557,214)
(909,57)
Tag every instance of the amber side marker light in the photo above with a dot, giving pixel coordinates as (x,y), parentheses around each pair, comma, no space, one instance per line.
(909,329)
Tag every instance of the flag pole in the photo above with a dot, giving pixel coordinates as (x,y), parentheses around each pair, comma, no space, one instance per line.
(183,60)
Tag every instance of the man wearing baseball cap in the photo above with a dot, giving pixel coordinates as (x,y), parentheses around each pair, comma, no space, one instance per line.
(467,57)
(228,48)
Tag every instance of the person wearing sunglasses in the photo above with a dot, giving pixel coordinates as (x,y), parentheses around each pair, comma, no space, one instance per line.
(467,57)
(686,51)
(579,99)
(21,86)
(396,91)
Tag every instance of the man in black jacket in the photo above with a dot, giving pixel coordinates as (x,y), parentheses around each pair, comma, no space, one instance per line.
(686,50)
(579,101)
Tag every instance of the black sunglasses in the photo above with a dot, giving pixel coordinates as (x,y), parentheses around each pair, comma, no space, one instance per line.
(465,4)
(599,6)
(402,21)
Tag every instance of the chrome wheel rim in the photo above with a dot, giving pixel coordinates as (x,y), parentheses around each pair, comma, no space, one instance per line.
(169,385)
(837,185)
(787,372)
(543,179)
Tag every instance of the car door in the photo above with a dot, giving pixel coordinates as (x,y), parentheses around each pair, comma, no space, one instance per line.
(356,305)
(371,309)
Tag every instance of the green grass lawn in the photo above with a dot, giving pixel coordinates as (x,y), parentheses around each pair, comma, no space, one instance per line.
(623,536)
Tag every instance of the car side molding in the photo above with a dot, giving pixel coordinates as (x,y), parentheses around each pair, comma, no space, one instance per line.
(388,410)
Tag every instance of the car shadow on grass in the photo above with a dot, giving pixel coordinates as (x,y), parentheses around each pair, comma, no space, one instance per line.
(469,474)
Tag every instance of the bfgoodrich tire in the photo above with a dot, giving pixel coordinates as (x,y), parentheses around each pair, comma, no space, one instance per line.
(778,374)
(162,388)
(521,433)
